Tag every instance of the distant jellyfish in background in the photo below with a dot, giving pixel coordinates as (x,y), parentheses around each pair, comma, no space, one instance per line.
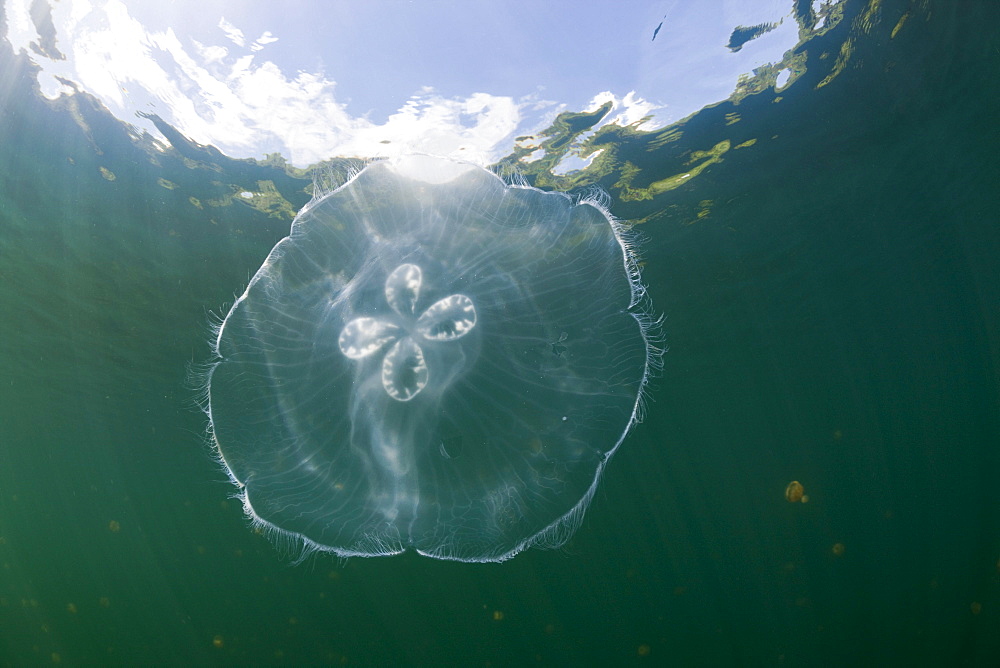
(432,360)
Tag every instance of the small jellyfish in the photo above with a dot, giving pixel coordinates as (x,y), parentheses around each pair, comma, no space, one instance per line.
(795,492)
(434,360)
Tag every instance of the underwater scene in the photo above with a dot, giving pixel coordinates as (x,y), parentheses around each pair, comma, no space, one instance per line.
(566,362)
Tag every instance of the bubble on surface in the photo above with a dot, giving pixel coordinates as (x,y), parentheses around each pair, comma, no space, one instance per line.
(431,360)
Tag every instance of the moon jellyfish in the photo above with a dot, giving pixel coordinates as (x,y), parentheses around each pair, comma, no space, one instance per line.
(432,360)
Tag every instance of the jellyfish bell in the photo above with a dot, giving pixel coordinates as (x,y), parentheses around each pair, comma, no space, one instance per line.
(434,360)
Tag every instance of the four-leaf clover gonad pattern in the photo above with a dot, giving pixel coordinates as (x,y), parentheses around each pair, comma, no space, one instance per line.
(404,368)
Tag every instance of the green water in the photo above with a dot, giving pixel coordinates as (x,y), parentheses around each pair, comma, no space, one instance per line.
(833,319)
